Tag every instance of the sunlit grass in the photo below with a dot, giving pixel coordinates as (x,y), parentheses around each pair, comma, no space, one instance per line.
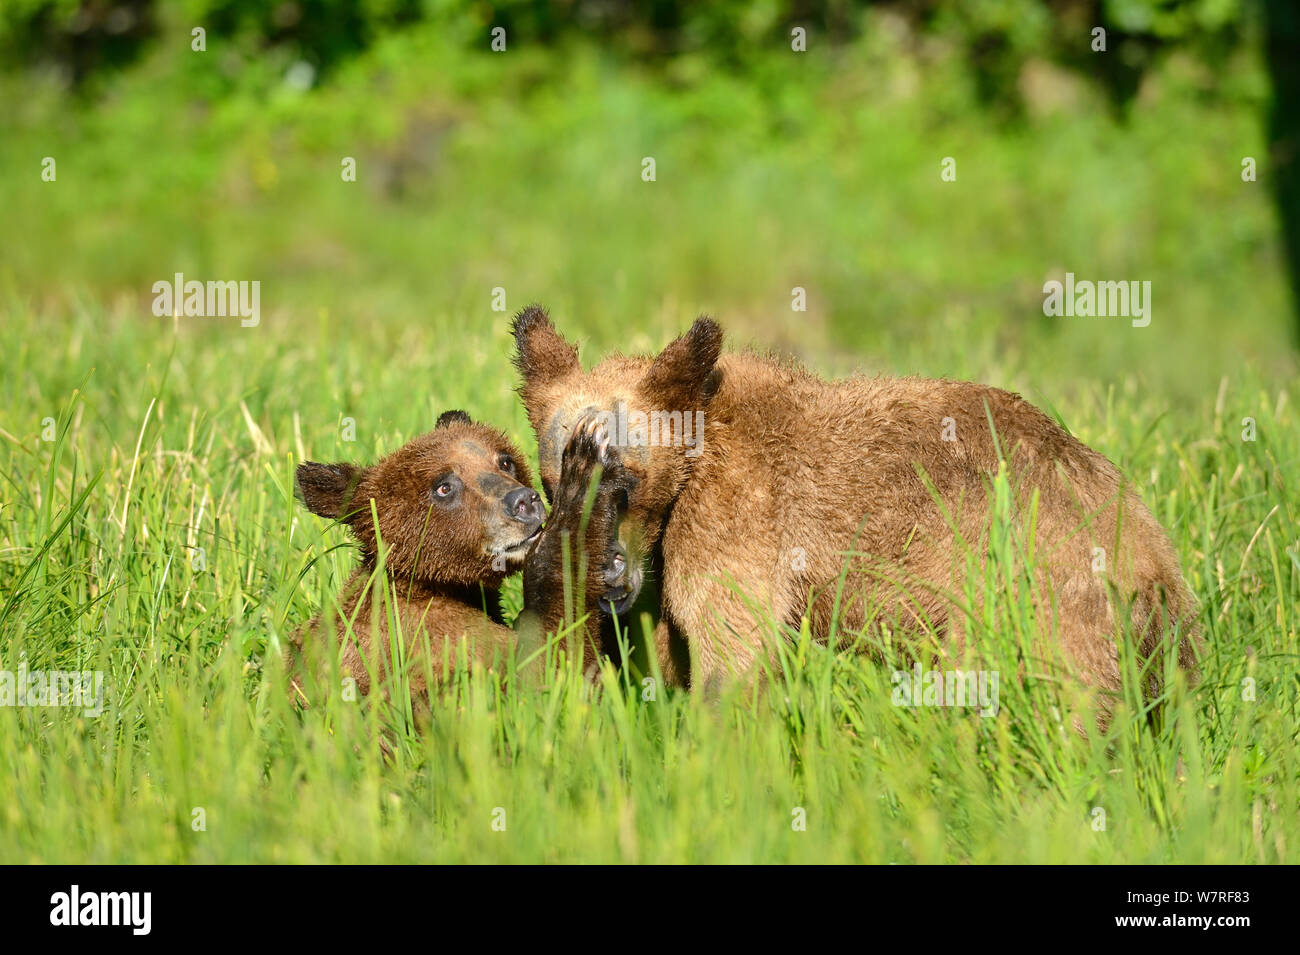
(158,458)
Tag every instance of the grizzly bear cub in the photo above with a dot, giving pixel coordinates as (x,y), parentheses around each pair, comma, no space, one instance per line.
(456,514)
(760,493)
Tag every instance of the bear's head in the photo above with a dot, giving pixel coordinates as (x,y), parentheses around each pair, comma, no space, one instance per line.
(455,506)
(654,409)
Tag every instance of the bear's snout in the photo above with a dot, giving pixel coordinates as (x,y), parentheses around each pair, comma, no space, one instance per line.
(524,505)
(622,578)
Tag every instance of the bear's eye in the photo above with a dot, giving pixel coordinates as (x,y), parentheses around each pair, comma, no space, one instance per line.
(446,488)
(506,463)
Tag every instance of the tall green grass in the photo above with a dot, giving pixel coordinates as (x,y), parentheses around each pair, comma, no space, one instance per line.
(102,531)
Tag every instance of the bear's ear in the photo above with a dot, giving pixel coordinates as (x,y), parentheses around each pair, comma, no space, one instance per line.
(325,489)
(541,355)
(681,375)
(447,417)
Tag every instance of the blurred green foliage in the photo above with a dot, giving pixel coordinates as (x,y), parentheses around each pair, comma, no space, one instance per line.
(522,170)
(1001,43)
(997,37)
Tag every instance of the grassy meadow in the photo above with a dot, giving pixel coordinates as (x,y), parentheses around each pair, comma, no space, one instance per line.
(148,528)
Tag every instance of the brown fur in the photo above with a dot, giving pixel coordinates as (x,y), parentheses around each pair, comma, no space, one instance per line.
(798,475)
(446,558)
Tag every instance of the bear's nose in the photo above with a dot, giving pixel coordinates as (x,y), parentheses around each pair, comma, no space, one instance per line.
(524,504)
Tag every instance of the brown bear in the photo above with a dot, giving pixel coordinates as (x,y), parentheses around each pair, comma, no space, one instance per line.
(457,514)
(759,490)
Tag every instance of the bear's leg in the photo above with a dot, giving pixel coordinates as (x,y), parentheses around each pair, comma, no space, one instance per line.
(673,654)
(546,570)
(729,630)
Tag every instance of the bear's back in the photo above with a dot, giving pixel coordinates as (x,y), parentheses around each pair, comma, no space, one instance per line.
(779,422)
